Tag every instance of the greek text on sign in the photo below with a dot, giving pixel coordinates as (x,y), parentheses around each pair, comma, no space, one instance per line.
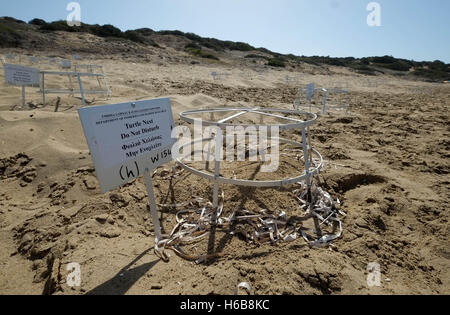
(21,76)
(126,139)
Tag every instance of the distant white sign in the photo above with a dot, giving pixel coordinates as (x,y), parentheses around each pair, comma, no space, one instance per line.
(310,90)
(66,64)
(127,139)
(21,76)
(33,59)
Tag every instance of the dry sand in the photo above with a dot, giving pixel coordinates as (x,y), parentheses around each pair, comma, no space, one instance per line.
(387,161)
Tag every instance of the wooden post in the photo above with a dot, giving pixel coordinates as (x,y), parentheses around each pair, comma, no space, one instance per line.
(81,89)
(216,184)
(308,180)
(58,101)
(43,88)
(23,96)
(153,207)
(325,95)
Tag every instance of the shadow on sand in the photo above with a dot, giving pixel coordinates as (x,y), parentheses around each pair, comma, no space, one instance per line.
(125,278)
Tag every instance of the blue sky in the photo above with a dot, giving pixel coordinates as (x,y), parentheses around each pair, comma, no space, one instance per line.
(411,29)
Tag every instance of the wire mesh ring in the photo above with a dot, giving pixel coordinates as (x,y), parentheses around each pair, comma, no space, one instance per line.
(295,123)
(255,183)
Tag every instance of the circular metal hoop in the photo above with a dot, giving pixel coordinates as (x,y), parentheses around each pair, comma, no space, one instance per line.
(255,183)
(291,123)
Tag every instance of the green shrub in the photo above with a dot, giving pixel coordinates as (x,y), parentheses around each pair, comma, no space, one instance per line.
(107,31)
(194,51)
(192,46)
(200,53)
(276,62)
(364,61)
(257,57)
(363,69)
(37,22)
(210,56)
(398,66)
(11,19)
(308,60)
(138,37)
(58,26)
(384,59)
(9,37)
(264,50)
(240,46)
(367,72)
(135,37)
(177,33)
(145,31)
(439,65)
(432,75)
(193,37)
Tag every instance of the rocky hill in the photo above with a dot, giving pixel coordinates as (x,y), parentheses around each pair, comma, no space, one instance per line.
(177,46)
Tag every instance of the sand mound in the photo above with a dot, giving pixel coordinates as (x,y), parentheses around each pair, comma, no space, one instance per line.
(387,161)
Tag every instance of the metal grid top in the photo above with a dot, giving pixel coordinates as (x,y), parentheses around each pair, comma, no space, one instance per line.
(291,123)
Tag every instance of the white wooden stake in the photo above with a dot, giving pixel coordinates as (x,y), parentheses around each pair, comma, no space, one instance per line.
(217,158)
(325,95)
(81,90)
(216,185)
(153,207)
(308,179)
(306,156)
(43,88)
(208,157)
(23,96)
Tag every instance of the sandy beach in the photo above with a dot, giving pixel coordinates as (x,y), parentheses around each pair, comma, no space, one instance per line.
(387,160)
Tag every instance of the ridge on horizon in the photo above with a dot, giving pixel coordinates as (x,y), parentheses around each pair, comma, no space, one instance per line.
(12,34)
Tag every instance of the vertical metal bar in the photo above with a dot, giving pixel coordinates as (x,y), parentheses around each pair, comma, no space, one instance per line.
(81,89)
(99,83)
(208,157)
(306,157)
(325,94)
(216,185)
(217,159)
(23,96)
(263,141)
(308,182)
(43,88)
(71,85)
(309,145)
(153,207)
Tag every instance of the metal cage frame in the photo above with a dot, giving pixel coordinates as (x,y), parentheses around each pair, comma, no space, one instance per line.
(291,124)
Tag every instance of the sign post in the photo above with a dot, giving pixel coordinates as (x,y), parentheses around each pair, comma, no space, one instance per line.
(129,140)
(153,207)
(23,96)
(325,96)
(21,76)
(310,91)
